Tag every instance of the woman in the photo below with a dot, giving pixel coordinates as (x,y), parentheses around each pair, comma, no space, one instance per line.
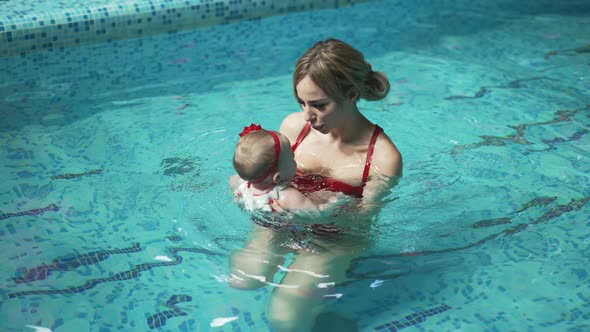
(338,152)
(331,137)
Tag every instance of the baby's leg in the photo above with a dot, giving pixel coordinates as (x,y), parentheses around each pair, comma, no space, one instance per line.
(255,265)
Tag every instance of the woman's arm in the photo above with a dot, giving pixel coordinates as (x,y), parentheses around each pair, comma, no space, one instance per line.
(387,160)
(386,171)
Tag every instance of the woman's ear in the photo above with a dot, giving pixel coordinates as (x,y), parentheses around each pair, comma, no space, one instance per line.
(353,96)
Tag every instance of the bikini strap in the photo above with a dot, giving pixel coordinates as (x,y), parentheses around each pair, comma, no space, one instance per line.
(376,133)
(301,136)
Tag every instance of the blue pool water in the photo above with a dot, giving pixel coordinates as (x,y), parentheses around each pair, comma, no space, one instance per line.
(115,213)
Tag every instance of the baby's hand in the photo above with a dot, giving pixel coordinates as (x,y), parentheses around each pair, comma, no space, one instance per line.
(235,181)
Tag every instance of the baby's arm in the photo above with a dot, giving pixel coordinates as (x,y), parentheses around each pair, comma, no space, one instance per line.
(292,199)
(235,181)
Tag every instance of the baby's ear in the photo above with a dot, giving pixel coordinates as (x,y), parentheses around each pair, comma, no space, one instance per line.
(276,178)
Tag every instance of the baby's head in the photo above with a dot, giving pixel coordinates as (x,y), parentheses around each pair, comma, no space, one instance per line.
(263,156)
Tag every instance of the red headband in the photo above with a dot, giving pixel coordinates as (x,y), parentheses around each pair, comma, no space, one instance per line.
(277,149)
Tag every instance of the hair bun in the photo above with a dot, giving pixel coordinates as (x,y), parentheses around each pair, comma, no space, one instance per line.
(376,86)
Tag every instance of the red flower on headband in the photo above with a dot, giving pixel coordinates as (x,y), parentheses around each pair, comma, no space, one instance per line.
(249,129)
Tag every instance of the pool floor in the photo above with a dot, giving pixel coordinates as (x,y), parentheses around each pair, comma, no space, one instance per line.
(115,212)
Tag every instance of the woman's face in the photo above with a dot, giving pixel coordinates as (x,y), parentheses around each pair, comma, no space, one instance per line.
(319,109)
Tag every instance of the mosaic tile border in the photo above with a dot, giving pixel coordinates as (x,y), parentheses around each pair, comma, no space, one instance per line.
(80,25)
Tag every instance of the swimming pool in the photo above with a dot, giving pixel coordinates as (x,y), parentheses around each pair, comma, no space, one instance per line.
(115,211)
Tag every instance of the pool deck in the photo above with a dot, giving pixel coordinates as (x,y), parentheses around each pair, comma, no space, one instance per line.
(27,26)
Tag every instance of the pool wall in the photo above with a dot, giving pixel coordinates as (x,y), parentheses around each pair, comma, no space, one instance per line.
(47,25)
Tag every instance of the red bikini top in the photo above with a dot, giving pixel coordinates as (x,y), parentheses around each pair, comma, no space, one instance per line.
(307,183)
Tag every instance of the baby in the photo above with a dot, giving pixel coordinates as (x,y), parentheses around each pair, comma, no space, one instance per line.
(264,161)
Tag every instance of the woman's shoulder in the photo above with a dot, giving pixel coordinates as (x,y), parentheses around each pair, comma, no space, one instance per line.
(386,156)
(292,125)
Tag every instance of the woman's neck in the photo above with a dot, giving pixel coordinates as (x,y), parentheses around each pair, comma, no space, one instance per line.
(352,128)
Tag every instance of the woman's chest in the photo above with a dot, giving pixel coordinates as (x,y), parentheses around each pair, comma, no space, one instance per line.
(346,165)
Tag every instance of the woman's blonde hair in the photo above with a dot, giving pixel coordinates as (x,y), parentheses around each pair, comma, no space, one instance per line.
(337,68)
